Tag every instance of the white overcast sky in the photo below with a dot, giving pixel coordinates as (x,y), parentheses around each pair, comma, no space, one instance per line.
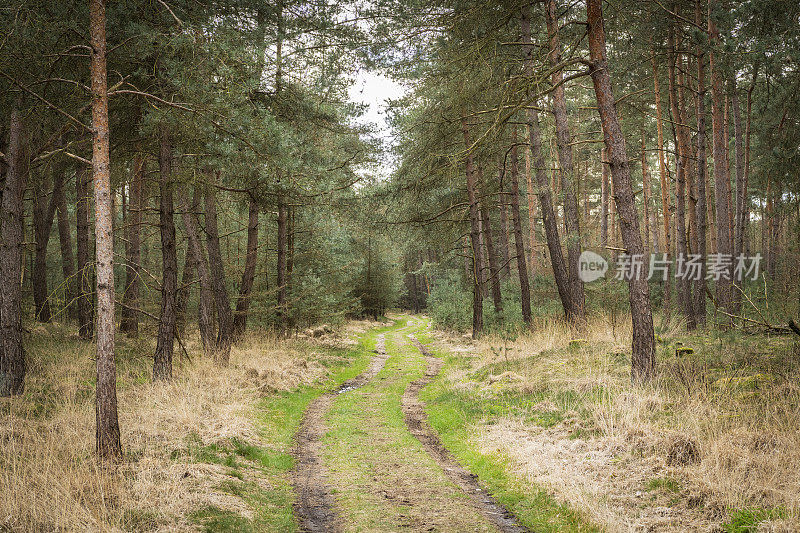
(375,89)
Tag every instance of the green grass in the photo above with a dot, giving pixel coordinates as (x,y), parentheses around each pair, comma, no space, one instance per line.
(278,419)
(747,520)
(452,413)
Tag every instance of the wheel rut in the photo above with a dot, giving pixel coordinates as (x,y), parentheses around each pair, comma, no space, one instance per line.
(417,422)
(314,508)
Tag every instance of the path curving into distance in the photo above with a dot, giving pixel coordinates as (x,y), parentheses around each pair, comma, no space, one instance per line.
(314,507)
(417,422)
(367,459)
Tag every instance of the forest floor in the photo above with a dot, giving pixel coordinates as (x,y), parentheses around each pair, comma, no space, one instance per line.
(395,426)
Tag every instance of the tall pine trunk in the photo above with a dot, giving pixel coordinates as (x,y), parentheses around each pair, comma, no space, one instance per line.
(702,165)
(664,179)
(682,283)
(129,322)
(567,172)
(283,232)
(165,345)
(475,233)
(249,273)
(543,184)
(721,181)
(185,290)
(604,198)
(643,359)
(519,244)
(491,255)
(217,270)
(108,439)
(205,308)
(742,207)
(67,259)
(12,352)
(43,215)
(85,311)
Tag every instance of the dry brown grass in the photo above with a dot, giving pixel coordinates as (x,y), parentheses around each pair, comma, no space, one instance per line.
(49,478)
(723,423)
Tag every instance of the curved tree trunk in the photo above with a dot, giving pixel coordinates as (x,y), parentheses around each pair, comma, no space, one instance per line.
(67,260)
(543,183)
(522,269)
(217,269)
(494,271)
(643,355)
(475,232)
(205,307)
(43,214)
(249,273)
(567,171)
(162,362)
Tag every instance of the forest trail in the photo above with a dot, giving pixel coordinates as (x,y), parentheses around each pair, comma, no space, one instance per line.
(368,460)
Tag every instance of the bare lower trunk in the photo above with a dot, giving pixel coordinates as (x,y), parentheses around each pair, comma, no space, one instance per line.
(205,308)
(662,168)
(185,290)
(108,439)
(217,270)
(165,345)
(505,262)
(494,271)
(567,171)
(721,182)
(544,192)
(474,219)
(12,352)
(249,273)
(129,322)
(645,196)
(281,274)
(604,198)
(702,165)
(522,269)
(643,354)
(531,212)
(682,283)
(43,215)
(85,311)
(67,260)
(742,208)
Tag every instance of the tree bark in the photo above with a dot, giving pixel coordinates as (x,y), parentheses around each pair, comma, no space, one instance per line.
(165,345)
(531,211)
(505,262)
(12,351)
(682,284)
(604,198)
(185,290)
(475,231)
(702,165)
(281,265)
(567,172)
(85,311)
(249,273)
(645,195)
(721,180)
(205,308)
(662,169)
(129,322)
(217,269)
(643,354)
(494,271)
(67,260)
(43,215)
(108,438)
(543,183)
(522,268)
(742,207)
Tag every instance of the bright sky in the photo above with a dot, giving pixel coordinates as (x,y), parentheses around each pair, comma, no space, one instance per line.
(374,89)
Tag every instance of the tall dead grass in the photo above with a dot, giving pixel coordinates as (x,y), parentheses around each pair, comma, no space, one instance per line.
(724,421)
(49,477)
